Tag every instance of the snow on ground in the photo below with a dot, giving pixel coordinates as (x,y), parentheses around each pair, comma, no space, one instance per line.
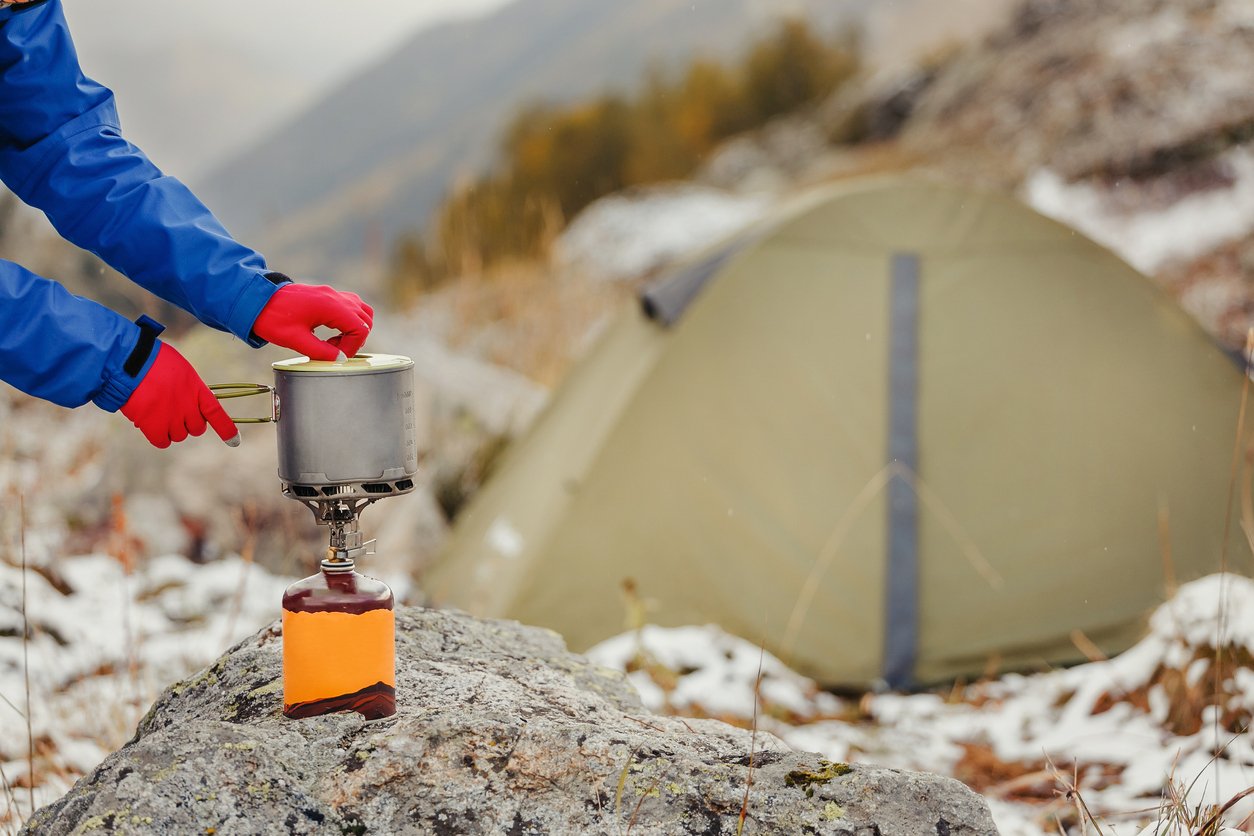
(1153,236)
(721,669)
(99,656)
(105,643)
(628,235)
(1124,730)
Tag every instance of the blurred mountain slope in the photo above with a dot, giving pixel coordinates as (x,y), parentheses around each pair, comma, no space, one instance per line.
(376,154)
(1098,87)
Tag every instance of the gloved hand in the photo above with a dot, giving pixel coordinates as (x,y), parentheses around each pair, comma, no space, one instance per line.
(172,402)
(292,313)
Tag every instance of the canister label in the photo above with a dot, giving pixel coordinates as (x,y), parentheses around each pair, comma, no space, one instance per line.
(334,661)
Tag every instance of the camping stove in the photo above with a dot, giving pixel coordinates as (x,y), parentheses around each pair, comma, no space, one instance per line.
(346,439)
(345,436)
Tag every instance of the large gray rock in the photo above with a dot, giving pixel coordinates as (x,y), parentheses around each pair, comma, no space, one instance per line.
(499,730)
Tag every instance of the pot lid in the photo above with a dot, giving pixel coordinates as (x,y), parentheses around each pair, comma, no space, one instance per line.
(362,363)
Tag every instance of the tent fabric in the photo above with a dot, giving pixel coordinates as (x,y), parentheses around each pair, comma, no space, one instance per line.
(737,468)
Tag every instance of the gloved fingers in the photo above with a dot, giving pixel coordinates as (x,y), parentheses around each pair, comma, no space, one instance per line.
(171,403)
(217,418)
(364,311)
(157,436)
(195,423)
(295,311)
(310,346)
(351,341)
(353,344)
(350,344)
(345,315)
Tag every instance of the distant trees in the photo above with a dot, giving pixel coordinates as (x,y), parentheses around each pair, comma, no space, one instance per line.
(556,159)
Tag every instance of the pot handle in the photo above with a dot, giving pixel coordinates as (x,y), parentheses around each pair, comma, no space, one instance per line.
(226,391)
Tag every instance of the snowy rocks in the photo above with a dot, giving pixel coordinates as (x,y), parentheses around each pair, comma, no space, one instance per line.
(1100,87)
(628,235)
(768,158)
(1151,230)
(499,730)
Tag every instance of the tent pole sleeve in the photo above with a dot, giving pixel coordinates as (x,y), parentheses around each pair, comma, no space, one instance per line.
(901,611)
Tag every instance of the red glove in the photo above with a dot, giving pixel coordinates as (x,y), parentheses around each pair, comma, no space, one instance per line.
(172,402)
(292,313)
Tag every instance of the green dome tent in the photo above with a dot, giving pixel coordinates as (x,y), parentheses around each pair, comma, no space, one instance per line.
(902,434)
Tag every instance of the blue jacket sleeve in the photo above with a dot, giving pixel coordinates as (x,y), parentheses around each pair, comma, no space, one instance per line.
(61,347)
(61,151)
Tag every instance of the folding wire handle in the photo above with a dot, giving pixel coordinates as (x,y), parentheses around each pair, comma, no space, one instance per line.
(226,391)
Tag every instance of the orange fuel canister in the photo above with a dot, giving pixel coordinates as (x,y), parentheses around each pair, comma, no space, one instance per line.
(339,644)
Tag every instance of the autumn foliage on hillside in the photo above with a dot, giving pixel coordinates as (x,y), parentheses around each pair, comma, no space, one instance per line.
(556,159)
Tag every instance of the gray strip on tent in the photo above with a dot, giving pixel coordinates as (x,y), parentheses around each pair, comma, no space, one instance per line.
(901,613)
(666,299)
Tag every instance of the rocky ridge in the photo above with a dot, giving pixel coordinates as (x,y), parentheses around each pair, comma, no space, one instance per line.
(499,730)
(1098,87)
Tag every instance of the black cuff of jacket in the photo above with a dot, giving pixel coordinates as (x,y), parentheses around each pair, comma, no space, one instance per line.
(278,280)
(149,330)
(27,6)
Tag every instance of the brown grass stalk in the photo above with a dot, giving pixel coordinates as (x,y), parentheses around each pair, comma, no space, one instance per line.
(247,519)
(10,704)
(622,782)
(1087,646)
(1237,445)
(30,734)
(123,550)
(11,809)
(1071,791)
(1211,825)
(657,779)
(1236,451)
(753,743)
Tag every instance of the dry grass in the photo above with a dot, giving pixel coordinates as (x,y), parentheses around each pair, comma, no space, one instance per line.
(1188,697)
(753,743)
(30,738)
(531,320)
(983,771)
(1069,790)
(247,520)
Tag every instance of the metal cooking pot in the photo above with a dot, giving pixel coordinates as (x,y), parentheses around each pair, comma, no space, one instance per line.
(345,428)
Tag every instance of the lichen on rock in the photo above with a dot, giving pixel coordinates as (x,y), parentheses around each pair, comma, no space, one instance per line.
(806,779)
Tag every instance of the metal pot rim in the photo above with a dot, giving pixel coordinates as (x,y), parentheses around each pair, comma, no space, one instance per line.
(361,364)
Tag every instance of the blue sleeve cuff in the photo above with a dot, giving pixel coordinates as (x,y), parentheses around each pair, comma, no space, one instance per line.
(256,293)
(119,385)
